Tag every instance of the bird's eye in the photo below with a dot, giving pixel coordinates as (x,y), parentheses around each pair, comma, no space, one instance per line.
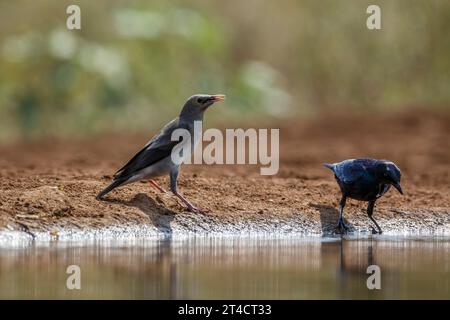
(200,100)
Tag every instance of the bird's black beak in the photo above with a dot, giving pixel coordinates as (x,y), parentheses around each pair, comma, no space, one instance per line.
(398,187)
(218,97)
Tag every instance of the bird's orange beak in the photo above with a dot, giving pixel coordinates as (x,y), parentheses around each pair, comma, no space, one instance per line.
(218,97)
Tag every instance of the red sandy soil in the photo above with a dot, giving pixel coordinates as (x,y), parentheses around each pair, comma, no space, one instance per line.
(52,184)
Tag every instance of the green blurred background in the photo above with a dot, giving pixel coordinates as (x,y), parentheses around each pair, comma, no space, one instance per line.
(133,63)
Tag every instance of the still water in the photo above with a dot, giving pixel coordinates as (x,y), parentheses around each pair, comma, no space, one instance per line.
(230,268)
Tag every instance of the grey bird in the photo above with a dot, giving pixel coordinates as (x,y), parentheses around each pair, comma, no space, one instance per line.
(155,159)
(364,180)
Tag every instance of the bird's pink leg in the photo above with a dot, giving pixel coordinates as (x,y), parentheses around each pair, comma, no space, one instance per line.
(157,186)
(189,205)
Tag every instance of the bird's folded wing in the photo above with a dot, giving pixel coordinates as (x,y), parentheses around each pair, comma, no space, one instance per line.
(158,148)
(350,172)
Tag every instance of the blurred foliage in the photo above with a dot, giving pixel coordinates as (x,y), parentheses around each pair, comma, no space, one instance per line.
(135,62)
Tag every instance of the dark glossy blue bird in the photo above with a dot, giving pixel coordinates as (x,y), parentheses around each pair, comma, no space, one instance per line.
(364,180)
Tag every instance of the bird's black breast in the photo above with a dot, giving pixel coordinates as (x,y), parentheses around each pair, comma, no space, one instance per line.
(363,190)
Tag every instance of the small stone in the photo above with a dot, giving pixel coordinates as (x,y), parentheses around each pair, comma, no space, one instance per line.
(54,233)
(159,199)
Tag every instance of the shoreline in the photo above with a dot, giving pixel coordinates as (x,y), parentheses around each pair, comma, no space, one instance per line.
(181,229)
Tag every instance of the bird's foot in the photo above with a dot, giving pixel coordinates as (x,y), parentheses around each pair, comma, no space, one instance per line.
(189,205)
(341,227)
(376,232)
(197,210)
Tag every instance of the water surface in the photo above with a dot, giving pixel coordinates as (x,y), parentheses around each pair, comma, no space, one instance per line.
(230,268)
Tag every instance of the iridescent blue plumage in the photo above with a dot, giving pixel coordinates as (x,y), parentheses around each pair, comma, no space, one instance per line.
(364,180)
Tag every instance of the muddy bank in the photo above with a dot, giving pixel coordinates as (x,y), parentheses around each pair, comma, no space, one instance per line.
(48,188)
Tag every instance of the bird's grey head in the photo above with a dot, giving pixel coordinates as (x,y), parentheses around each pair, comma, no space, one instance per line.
(389,173)
(197,104)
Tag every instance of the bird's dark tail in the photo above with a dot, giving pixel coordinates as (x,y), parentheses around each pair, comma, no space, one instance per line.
(109,188)
(329,166)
